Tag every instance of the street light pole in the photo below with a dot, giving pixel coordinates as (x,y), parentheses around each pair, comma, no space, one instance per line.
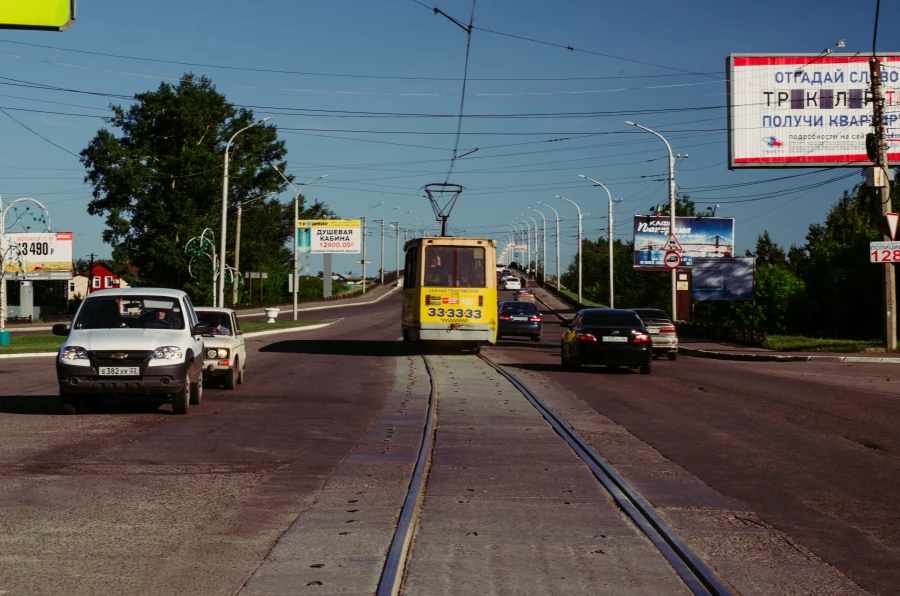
(365,233)
(296,267)
(534,244)
(544,240)
(671,209)
(579,243)
(556,213)
(397,266)
(382,242)
(224,230)
(609,238)
(237,243)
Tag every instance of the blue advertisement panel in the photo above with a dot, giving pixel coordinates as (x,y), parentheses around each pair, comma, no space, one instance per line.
(723,278)
(698,236)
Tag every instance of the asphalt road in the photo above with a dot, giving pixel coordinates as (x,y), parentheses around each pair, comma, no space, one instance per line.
(131,499)
(811,447)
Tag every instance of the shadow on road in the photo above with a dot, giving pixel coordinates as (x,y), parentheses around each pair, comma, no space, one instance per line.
(49,405)
(542,367)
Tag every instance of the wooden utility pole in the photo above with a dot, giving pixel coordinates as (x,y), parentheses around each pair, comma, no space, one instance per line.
(884,194)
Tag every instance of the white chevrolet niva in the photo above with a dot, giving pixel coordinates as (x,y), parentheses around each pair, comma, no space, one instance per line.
(132,342)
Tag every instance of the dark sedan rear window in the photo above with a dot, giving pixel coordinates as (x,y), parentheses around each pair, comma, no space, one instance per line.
(650,313)
(624,319)
(525,307)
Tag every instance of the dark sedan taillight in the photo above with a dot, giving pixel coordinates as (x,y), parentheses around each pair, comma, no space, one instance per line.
(587,337)
(641,338)
(505,317)
(535,319)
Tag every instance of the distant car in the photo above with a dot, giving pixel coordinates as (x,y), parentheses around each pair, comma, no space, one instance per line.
(519,319)
(511,283)
(524,295)
(224,353)
(662,331)
(607,336)
(132,342)
(506,273)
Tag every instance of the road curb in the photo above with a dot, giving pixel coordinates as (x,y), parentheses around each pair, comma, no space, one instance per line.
(782,358)
(290,309)
(246,335)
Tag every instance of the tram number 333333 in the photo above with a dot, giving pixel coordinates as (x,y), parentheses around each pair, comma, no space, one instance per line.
(884,252)
(458,313)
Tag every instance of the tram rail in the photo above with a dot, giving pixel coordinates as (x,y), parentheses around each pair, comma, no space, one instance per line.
(690,568)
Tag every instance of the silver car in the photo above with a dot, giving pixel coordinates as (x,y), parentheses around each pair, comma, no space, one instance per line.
(662,331)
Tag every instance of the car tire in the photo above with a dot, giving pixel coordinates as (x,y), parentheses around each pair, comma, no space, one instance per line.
(536,338)
(181,398)
(197,392)
(240,378)
(645,369)
(231,376)
(499,337)
(673,356)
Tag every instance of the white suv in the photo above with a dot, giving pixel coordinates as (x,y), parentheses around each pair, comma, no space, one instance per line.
(132,341)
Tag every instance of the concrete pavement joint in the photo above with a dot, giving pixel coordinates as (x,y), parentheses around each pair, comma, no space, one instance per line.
(781,357)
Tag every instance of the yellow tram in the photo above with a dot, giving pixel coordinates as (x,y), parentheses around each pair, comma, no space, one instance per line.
(450,291)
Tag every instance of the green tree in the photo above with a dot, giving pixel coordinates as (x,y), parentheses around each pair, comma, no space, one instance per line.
(158,182)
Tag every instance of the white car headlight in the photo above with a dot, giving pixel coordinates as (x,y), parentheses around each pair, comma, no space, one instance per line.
(211,353)
(73,353)
(168,353)
(222,353)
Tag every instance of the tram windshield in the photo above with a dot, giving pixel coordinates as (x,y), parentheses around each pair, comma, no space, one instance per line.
(454,267)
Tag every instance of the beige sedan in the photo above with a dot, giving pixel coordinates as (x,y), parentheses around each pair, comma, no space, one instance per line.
(224,353)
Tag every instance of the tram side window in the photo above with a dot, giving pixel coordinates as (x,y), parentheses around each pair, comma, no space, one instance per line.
(454,267)
(410,279)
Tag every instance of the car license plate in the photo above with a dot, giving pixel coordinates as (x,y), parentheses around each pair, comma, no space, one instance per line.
(653,330)
(615,339)
(120,371)
(520,318)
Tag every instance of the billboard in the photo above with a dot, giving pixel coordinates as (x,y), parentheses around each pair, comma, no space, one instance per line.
(698,236)
(40,255)
(723,278)
(47,15)
(807,110)
(329,236)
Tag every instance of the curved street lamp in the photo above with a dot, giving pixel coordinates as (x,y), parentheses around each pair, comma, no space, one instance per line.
(555,212)
(579,243)
(609,238)
(224,230)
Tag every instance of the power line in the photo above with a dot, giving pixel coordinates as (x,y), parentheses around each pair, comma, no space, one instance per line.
(35,133)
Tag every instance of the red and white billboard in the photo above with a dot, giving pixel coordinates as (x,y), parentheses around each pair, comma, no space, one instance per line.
(807,110)
(38,255)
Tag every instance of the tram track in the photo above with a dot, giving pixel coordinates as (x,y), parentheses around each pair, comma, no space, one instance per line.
(696,575)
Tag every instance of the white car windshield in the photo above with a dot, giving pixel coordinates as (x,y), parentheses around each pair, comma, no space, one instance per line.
(130,312)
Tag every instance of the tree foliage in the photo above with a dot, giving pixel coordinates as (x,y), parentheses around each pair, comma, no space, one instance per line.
(157,172)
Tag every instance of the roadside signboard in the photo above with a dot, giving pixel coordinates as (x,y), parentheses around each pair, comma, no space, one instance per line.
(891,219)
(884,252)
(46,15)
(696,236)
(672,259)
(724,278)
(41,256)
(806,110)
(329,236)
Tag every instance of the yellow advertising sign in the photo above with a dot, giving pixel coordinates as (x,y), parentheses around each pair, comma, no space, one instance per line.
(47,15)
(459,305)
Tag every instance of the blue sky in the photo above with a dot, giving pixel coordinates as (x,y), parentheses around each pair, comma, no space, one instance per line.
(635,57)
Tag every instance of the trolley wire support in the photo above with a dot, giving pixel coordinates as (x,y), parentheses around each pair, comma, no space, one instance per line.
(443,198)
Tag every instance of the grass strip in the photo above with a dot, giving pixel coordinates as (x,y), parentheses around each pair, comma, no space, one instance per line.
(32,343)
(584,301)
(799,343)
(251,326)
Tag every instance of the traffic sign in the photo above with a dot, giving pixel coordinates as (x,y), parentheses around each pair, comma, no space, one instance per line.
(672,259)
(892,223)
(672,244)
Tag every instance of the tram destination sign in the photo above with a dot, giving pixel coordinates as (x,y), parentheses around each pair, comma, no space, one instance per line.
(44,15)
(807,110)
(329,236)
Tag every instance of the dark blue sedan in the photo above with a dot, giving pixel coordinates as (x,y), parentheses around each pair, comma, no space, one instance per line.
(519,319)
(606,336)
